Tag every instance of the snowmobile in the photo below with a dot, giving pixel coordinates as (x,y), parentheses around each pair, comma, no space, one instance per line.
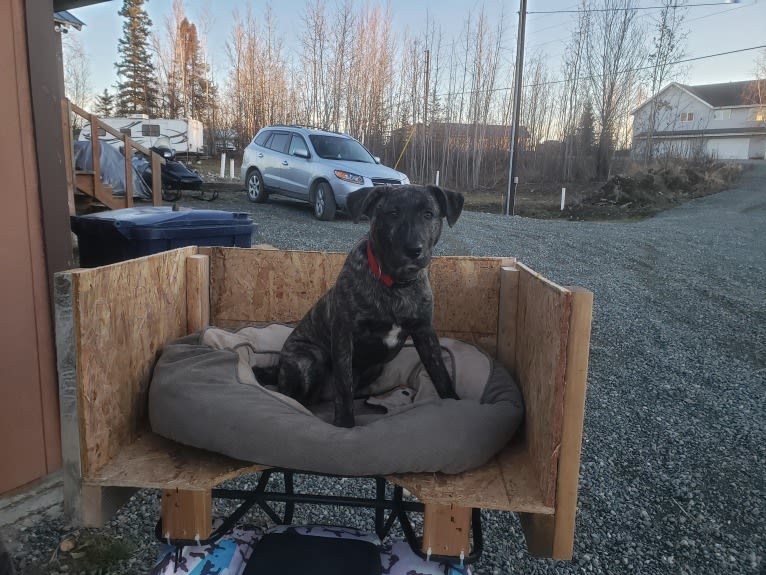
(176,177)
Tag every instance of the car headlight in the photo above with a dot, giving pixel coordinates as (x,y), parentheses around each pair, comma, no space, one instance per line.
(349,177)
(405,180)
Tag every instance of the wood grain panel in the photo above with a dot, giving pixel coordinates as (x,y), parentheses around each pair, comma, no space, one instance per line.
(124,313)
(541,344)
(261,285)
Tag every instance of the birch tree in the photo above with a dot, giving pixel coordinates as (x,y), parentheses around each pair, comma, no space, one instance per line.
(571,95)
(257,84)
(614,52)
(668,46)
(76,75)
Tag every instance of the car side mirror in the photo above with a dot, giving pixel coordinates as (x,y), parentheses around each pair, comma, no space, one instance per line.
(301,154)
(377,159)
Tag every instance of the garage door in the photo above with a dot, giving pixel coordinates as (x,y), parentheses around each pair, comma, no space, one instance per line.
(757,148)
(728,148)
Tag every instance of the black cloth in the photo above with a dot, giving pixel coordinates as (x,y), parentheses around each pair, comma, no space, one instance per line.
(293,554)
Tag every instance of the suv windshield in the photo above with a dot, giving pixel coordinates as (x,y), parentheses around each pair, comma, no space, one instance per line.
(335,148)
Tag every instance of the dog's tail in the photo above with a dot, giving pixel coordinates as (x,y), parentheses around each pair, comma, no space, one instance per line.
(266,375)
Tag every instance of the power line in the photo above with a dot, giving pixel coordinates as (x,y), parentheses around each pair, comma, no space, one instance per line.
(650,66)
(552,82)
(586,10)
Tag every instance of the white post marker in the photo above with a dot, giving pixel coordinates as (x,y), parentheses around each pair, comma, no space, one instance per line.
(223,164)
(231,169)
(563,197)
(437,177)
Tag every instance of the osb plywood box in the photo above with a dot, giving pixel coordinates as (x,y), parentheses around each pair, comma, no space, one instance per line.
(113,321)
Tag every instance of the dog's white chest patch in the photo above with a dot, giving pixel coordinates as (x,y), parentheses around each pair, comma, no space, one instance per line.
(392,338)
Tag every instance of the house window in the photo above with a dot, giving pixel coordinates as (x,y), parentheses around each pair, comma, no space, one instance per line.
(759,115)
(687,116)
(724,114)
(152,130)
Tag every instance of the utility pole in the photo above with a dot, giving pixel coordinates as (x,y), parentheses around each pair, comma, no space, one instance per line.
(426,168)
(513,169)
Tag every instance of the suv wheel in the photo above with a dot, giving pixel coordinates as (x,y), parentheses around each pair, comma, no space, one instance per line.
(255,190)
(324,202)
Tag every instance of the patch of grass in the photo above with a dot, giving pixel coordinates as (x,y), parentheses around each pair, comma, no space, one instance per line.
(89,552)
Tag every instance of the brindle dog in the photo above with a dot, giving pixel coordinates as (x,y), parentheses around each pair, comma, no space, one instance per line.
(382,296)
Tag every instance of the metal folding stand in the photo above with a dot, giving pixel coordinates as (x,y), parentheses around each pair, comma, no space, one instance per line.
(397,506)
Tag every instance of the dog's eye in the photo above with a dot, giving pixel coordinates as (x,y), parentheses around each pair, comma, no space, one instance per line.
(428,215)
(393,213)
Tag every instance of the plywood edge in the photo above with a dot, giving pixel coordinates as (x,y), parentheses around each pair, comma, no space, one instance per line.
(551,284)
(157,463)
(557,422)
(578,349)
(543,314)
(507,483)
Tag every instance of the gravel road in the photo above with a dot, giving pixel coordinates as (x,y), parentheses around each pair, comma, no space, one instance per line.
(673,476)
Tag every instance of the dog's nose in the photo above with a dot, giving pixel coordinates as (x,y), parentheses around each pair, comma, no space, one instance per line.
(413,252)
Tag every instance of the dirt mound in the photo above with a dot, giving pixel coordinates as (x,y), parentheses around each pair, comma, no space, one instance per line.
(643,192)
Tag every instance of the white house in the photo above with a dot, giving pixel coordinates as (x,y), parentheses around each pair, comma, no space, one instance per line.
(715,120)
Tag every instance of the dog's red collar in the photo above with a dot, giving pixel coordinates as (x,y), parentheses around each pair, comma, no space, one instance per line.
(387,280)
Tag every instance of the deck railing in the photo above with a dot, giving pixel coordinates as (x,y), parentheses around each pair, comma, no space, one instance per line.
(89,183)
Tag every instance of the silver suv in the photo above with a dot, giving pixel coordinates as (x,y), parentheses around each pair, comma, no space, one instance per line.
(313,165)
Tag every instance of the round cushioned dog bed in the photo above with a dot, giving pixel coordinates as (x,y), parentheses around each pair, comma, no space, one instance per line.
(204,394)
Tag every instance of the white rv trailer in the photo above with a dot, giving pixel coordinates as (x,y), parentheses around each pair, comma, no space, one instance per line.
(186,136)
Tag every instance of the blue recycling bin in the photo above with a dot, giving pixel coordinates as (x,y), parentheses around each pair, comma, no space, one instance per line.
(119,235)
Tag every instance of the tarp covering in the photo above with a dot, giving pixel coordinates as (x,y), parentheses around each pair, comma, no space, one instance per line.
(112,168)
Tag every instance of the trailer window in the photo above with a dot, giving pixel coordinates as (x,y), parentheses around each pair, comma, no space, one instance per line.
(152,130)
(125,131)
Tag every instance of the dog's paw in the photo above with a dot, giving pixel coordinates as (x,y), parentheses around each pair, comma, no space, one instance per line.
(345,420)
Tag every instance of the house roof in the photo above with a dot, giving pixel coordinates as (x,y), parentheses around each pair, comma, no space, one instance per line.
(59,5)
(67,19)
(721,95)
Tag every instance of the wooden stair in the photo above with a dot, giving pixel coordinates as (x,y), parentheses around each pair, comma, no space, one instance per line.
(85,188)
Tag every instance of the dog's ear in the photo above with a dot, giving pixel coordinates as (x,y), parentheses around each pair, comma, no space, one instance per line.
(450,203)
(363,201)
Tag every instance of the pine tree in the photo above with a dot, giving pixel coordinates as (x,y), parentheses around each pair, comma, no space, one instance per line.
(193,70)
(585,144)
(586,132)
(137,84)
(104,104)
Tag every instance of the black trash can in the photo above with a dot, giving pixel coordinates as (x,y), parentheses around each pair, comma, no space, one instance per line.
(118,235)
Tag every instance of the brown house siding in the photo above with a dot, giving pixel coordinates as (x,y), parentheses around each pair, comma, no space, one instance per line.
(29,419)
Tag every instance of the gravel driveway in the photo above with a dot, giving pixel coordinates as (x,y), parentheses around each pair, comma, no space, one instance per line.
(674,455)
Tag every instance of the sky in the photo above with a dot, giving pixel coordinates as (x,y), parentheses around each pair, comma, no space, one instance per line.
(713,27)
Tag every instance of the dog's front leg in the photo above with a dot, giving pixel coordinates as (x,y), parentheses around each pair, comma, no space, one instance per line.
(430,352)
(343,377)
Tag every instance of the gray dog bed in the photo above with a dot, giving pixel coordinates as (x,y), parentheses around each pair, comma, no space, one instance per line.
(204,394)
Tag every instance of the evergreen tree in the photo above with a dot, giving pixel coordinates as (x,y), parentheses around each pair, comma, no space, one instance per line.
(104,104)
(193,71)
(586,131)
(137,83)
